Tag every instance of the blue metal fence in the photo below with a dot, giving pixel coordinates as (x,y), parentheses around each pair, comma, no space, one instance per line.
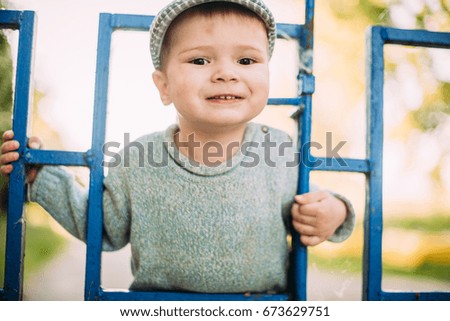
(303,34)
(373,223)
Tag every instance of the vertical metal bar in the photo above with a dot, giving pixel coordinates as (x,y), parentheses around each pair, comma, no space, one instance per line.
(373,219)
(304,131)
(300,251)
(15,238)
(95,157)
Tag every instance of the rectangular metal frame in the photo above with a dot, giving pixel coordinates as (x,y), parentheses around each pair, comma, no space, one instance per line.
(373,221)
(108,24)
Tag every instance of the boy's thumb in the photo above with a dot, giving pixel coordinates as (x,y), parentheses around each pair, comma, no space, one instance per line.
(299,199)
(34,143)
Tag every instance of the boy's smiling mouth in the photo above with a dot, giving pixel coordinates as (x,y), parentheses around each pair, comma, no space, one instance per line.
(224,97)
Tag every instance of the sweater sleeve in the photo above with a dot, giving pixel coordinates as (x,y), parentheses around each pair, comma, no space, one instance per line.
(56,190)
(344,231)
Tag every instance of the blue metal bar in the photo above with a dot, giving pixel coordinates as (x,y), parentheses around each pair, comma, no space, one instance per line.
(10,19)
(411,296)
(300,255)
(307,84)
(187,296)
(289,31)
(421,38)
(131,22)
(373,219)
(284,101)
(95,210)
(55,157)
(15,238)
(340,165)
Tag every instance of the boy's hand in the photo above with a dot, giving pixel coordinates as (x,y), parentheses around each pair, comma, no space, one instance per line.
(9,154)
(316,216)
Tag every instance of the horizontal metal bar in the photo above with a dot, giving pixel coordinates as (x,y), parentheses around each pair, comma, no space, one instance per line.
(186,296)
(422,38)
(288,31)
(284,101)
(341,165)
(10,19)
(412,296)
(129,21)
(56,157)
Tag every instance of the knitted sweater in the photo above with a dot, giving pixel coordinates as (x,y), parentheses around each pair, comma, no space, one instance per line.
(192,227)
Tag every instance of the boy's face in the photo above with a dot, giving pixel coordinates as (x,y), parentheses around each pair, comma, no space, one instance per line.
(216,71)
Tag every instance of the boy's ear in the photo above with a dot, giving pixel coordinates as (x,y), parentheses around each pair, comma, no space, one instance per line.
(160,80)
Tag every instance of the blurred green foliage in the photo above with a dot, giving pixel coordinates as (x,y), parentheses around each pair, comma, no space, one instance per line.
(429,261)
(352,264)
(5,75)
(433,111)
(431,115)
(439,222)
(42,244)
(375,11)
(6,98)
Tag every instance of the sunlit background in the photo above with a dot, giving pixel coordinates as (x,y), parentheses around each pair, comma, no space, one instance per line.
(416,187)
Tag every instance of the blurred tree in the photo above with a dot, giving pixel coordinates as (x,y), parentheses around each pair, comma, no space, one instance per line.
(6,98)
(412,120)
(424,107)
(429,119)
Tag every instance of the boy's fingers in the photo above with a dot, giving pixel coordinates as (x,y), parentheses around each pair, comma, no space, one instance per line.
(309,209)
(8,135)
(304,229)
(310,240)
(311,197)
(306,219)
(9,146)
(294,210)
(9,158)
(6,169)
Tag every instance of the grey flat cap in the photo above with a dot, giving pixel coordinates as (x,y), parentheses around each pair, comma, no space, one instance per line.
(168,14)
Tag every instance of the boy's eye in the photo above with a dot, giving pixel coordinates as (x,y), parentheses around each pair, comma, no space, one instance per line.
(246,61)
(199,61)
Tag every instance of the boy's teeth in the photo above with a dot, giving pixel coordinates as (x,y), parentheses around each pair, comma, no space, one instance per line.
(225,97)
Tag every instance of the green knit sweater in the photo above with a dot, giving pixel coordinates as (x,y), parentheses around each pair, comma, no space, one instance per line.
(192,227)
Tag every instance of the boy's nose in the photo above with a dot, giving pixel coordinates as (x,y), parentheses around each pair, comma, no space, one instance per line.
(224,73)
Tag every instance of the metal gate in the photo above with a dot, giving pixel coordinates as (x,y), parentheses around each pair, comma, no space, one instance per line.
(92,158)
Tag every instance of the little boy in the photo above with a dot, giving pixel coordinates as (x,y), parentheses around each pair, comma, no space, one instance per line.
(203,221)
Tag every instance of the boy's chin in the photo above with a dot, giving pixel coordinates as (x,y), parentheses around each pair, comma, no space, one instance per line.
(222,125)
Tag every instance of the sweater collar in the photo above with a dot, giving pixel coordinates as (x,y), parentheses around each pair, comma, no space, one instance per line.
(201,169)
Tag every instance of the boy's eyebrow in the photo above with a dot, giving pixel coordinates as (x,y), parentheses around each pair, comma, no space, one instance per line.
(195,48)
(206,47)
